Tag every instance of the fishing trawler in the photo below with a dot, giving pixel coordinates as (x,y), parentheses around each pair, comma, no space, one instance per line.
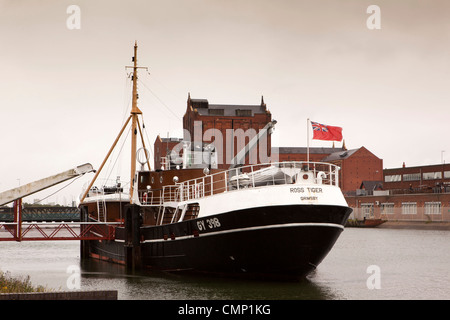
(272,220)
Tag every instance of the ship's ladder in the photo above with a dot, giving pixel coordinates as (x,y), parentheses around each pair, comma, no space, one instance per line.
(101,210)
(180,211)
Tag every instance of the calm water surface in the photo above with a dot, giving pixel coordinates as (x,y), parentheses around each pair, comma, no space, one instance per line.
(413,264)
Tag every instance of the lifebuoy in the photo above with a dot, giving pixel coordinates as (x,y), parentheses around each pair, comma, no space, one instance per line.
(197,193)
(144,197)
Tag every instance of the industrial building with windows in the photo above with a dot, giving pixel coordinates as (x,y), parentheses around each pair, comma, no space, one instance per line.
(206,123)
(420,193)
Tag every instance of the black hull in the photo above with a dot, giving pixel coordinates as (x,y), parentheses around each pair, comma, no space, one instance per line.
(270,242)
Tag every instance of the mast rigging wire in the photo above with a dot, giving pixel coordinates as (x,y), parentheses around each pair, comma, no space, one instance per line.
(73,180)
(162,102)
(117,157)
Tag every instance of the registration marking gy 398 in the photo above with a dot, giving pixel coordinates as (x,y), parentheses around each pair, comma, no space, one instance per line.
(210,223)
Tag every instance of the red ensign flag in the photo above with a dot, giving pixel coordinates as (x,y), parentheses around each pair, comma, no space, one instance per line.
(325,132)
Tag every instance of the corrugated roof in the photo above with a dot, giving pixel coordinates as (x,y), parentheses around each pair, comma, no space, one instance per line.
(204,108)
(230,110)
(343,154)
(303,150)
(371,185)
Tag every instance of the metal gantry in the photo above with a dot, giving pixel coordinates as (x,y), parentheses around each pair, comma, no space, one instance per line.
(41,231)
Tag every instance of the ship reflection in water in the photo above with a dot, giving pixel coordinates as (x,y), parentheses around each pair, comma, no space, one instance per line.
(156,285)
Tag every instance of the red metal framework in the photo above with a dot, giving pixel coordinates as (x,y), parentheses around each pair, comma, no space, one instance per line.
(33,231)
(56,231)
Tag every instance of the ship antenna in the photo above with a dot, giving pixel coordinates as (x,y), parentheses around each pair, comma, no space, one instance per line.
(134,114)
(135,111)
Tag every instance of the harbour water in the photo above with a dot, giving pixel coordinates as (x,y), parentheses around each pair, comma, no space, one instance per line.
(365,264)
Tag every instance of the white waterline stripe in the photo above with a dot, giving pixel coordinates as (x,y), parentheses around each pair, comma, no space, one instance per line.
(288,225)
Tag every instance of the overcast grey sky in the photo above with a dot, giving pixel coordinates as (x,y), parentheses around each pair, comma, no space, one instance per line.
(64,93)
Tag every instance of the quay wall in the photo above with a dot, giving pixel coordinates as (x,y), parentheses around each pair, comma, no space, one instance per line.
(424,207)
(66,295)
(416,225)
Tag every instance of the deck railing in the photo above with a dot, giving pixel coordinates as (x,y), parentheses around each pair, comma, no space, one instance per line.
(251,176)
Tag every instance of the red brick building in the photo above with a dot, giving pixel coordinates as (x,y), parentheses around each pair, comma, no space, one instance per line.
(357,165)
(235,125)
(420,193)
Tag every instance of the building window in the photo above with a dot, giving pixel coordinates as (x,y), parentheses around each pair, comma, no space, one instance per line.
(387,208)
(446,174)
(409,207)
(367,210)
(411,177)
(432,175)
(433,207)
(215,112)
(243,113)
(393,178)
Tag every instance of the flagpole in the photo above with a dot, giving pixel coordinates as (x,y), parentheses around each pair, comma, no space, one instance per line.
(307,142)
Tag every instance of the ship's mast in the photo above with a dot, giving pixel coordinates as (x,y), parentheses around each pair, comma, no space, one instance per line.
(134,126)
(134,121)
